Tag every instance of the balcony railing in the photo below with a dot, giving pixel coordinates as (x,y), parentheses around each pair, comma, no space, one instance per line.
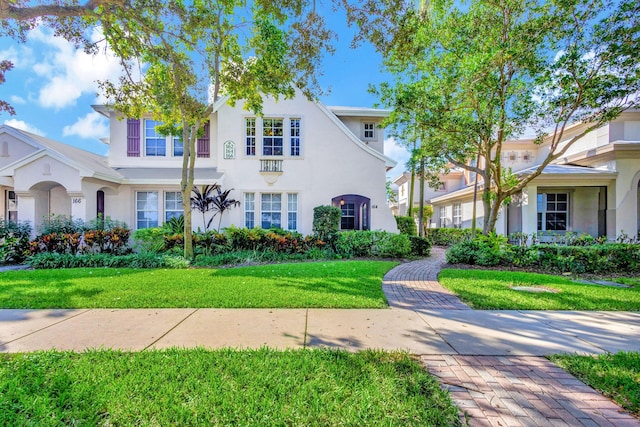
(269,165)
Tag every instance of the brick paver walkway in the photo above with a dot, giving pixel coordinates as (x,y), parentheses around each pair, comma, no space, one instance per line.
(499,391)
(414,285)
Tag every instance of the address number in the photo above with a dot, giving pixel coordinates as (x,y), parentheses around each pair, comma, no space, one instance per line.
(76,201)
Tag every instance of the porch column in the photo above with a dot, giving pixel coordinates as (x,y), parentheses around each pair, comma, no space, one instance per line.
(78,206)
(530,210)
(612,212)
(27,210)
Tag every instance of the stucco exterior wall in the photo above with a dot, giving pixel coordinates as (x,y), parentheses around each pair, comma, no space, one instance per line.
(15,150)
(626,196)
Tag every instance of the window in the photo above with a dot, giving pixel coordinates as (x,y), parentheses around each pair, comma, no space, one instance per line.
(272,137)
(553,211)
(443,217)
(457,215)
(348,218)
(527,157)
(12,205)
(250,136)
(146,209)
(292,211)
(369,130)
(178,146)
(442,187)
(271,210)
(154,143)
(229,150)
(249,210)
(294,134)
(172,205)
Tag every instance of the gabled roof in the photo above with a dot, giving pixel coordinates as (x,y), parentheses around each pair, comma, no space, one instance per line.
(88,163)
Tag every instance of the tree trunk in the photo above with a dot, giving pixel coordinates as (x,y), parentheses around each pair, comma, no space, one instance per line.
(411,190)
(421,213)
(186,184)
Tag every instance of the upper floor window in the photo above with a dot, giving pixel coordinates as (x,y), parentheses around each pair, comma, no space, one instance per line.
(369,130)
(178,146)
(154,143)
(250,136)
(272,137)
(294,125)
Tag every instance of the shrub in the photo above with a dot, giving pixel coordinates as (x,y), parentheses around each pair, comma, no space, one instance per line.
(62,224)
(354,243)
(390,245)
(489,250)
(14,241)
(420,246)
(138,260)
(149,239)
(89,241)
(326,223)
(406,225)
(447,236)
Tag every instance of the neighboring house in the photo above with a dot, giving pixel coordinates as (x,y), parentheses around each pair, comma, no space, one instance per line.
(593,189)
(298,155)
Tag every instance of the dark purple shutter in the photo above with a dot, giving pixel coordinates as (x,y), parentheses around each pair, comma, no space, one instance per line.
(203,143)
(133,138)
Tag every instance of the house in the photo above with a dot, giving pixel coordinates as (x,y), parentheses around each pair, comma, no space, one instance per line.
(594,188)
(300,154)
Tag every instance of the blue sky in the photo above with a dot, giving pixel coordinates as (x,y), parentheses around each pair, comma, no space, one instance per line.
(53,86)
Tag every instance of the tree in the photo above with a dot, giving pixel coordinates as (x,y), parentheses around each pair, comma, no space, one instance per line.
(470,75)
(202,201)
(191,55)
(222,202)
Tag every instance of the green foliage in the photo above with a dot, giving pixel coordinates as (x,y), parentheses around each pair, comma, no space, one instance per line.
(614,375)
(138,260)
(14,241)
(447,236)
(357,243)
(326,223)
(485,250)
(61,224)
(224,387)
(420,246)
(175,225)
(406,225)
(149,239)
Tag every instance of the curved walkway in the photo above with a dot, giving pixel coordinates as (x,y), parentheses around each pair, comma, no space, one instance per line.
(497,390)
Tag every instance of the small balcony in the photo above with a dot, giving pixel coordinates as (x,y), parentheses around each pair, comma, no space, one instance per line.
(270,170)
(269,165)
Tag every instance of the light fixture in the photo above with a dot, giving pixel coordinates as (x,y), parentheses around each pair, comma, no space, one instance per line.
(341,202)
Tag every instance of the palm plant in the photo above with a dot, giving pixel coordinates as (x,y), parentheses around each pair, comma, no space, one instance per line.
(203,200)
(221,202)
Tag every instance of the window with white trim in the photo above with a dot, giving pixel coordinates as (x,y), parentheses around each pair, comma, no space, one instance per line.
(457,215)
(292,211)
(11,200)
(146,209)
(553,211)
(348,216)
(155,145)
(369,130)
(443,217)
(294,135)
(172,205)
(250,136)
(272,137)
(271,210)
(178,146)
(249,210)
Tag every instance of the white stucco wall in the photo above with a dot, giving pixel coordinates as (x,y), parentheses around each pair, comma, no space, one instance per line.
(626,196)
(15,149)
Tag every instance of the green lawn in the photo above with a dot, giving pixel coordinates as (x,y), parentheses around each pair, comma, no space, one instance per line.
(336,284)
(492,290)
(614,375)
(221,388)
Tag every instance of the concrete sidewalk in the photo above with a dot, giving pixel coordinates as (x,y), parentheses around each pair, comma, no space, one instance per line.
(424,332)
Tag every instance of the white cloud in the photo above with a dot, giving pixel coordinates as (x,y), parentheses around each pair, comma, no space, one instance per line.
(19,124)
(20,56)
(69,73)
(93,125)
(15,99)
(398,153)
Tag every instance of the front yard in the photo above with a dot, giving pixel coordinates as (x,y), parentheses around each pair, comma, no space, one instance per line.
(222,388)
(511,290)
(346,284)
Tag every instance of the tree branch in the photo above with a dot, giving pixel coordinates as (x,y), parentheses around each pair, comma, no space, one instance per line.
(8,11)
